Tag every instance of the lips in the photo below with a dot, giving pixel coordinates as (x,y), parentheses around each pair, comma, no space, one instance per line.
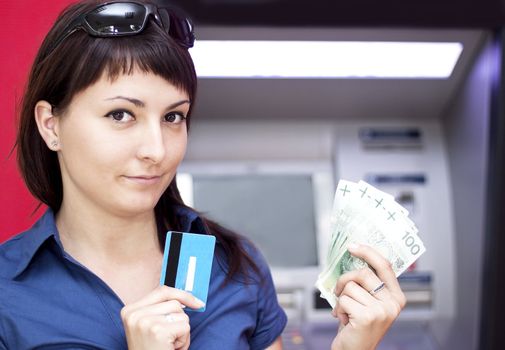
(144,179)
(147,177)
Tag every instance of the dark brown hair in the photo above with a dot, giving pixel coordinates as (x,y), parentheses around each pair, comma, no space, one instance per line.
(78,62)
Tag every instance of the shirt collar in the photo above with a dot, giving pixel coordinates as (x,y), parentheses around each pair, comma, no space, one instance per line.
(32,240)
(45,228)
(189,220)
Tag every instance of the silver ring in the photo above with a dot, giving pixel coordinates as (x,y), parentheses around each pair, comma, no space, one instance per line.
(169,317)
(377,289)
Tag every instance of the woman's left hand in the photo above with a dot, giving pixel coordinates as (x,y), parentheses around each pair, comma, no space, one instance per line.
(365,316)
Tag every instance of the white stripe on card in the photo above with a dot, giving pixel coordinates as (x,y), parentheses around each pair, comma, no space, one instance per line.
(190,277)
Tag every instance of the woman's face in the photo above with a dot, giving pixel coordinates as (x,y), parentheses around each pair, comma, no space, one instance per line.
(121,143)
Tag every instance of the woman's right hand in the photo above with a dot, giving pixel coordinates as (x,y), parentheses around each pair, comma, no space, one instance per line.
(158,320)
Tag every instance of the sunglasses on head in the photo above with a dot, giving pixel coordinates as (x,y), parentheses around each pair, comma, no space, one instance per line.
(129,18)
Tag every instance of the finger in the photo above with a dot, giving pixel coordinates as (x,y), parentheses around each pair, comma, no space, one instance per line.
(358,293)
(176,332)
(163,319)
(381,265)
(163,308)
(347,307)
(186,346)
(339,313)
(176,317)
(160,328)
(179,333)
(164,293)
(343,319)
(365,277)
(182,343)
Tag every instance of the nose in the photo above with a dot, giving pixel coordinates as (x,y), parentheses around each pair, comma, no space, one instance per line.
(152,144)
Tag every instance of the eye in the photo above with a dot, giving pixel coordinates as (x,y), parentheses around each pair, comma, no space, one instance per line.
(174,117)
(121,116)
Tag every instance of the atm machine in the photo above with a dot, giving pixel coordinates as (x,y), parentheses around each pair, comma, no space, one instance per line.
(284,208)
(276,186)
(295,199)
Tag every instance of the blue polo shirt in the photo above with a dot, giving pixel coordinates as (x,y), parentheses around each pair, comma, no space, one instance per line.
(48,300)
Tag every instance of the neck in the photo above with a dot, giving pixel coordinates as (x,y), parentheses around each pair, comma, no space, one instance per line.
(96,234)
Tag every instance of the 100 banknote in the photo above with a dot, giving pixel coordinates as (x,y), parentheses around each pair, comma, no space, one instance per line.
(363,214)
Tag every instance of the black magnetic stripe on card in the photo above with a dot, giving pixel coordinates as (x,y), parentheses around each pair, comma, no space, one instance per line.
(173,258)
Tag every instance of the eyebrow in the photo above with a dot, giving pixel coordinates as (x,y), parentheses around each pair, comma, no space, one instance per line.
(141,104)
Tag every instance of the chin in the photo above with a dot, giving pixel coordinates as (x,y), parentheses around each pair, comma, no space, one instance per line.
(139,204)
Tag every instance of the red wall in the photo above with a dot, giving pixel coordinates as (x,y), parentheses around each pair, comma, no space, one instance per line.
(24,24)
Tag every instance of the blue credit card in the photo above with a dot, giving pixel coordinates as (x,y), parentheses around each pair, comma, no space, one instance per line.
(187,263)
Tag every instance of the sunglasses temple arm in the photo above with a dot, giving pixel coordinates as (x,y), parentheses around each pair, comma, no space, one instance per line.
(72,27)
(164,18)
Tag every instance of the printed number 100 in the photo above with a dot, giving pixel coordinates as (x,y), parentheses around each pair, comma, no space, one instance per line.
(411,243)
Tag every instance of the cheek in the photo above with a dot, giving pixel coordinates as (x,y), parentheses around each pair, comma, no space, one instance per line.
(86,147)
(183,147)
(176,146)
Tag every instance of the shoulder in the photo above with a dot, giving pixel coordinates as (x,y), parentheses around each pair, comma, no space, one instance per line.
(11,254)
(17,252)
(257,270)
(253,263)
(254,253)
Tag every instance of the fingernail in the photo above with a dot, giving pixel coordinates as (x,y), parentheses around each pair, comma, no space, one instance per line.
(182,305)
(352,246)
(199,302)
(334,310)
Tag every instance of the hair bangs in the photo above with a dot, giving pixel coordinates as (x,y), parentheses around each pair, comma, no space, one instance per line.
(151,52)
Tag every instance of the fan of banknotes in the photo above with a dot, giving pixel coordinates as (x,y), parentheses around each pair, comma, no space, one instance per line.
(363,214)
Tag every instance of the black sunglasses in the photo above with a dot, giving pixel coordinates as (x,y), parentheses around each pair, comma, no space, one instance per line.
(129,18)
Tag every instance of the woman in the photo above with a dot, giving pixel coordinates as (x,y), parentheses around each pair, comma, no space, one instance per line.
(103,128)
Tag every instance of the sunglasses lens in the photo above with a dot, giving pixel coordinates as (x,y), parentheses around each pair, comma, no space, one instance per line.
(182,29)
(117,18)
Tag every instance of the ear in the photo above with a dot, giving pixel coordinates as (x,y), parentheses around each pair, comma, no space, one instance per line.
(47,124)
